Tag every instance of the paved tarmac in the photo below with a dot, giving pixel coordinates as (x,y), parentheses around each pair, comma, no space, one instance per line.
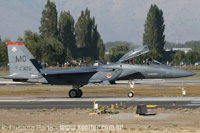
(84,102)
(71,103)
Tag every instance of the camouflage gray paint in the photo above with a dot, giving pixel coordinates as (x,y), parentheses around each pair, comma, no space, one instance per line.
(23,67)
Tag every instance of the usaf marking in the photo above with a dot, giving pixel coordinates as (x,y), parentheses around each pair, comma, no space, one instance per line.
(21,58)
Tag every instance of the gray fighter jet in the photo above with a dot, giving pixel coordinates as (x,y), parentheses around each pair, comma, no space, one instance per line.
(24,68)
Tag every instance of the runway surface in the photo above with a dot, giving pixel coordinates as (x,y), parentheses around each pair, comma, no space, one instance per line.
(84,102)
(71,103)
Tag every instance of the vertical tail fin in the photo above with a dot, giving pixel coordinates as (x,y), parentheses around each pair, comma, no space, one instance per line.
(21,62)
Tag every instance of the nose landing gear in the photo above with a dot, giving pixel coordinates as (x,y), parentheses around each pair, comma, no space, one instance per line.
(131,83)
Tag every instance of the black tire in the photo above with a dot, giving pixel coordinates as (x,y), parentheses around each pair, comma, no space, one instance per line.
(73,93)
(79,93)
(130,94)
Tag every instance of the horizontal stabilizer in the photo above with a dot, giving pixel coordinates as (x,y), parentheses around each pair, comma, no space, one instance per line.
(12,77)
(20,76)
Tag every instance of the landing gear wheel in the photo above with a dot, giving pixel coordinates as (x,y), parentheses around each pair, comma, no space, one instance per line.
(73,93)
(76,92)
(79,93)
(131,83)
(130,94)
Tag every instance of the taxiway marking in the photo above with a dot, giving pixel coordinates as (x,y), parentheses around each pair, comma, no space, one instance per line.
(151,106)
(138,115)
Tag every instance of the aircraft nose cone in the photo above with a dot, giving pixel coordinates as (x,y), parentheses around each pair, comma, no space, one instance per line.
(178,73)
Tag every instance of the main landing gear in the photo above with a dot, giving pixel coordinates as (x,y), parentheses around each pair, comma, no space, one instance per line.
(75,92)
(131,83)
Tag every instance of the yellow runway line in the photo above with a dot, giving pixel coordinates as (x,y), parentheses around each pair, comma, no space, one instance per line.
(151,106)
(92,113)
(138,115)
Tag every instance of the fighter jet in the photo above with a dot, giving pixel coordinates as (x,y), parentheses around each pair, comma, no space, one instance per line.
(25,68)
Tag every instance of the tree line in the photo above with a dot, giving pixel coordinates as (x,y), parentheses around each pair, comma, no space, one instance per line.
(62,40)
(154,37)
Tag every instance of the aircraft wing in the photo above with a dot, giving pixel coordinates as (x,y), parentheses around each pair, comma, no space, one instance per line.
(68,71)
(78,76)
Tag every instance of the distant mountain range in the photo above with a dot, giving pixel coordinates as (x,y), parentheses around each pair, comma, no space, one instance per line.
(117,20)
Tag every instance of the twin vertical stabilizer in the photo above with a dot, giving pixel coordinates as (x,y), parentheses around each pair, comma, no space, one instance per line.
(22,64)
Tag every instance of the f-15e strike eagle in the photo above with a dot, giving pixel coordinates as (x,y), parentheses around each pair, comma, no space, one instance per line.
(25,68)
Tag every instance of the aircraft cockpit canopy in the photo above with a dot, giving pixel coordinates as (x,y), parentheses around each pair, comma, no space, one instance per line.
(128,57)
(134,53)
